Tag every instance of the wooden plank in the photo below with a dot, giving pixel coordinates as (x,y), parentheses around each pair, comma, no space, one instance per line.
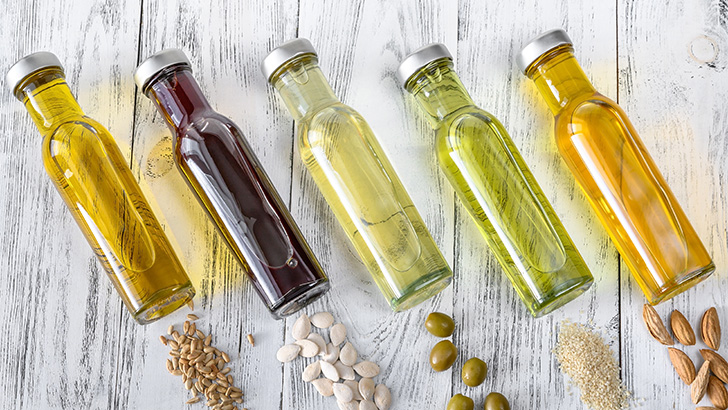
(62,314)
(672,85)
(494,324)
(225,40)
(360,45)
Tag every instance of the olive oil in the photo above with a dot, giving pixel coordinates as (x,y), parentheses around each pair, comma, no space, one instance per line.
(94,180)
(358,182)
(496,187)
(616,173)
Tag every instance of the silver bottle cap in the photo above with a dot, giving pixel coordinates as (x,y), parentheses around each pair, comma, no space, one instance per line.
(541,45)
(285,53)
(149,68)
(420,58)
(28,65)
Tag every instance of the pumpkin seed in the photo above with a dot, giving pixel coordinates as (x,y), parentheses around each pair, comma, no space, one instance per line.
(311,372)
(345,372)
(325,387)
(322,320)
(343,392)
(308,348)
(301,327)
(337,334)
(348,354)
(354,386)
(366,388)
(332,353)
(366,369)
(320,342)
(382,397)
(287,353)
(329,371)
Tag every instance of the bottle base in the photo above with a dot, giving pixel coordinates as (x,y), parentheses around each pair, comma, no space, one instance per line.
(561,295)
(300,297)
(164,302)
(681,284)
(421,290)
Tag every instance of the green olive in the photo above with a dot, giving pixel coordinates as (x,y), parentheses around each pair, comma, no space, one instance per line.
(443,356)
(439,324)
(474,372)
(496,401)
(460,402)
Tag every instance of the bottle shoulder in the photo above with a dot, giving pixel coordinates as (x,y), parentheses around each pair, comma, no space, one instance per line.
(467,125)
(336,119)
(584,111)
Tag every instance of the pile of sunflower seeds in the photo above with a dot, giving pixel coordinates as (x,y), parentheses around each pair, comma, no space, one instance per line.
(345,377)
(203,367)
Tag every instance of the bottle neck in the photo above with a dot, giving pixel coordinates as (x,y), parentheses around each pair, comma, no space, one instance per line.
(303,87)
(177,96)
(438,90)
(559,78)
(48,99)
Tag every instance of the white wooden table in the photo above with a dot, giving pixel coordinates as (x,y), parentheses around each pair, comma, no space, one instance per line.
(67,342)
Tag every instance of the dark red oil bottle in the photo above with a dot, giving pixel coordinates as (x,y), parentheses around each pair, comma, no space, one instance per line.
(230,183)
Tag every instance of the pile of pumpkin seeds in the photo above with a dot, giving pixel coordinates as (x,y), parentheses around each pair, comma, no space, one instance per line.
(202,366)
(345,377)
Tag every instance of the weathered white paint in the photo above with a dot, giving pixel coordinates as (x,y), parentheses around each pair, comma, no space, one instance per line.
(68,343)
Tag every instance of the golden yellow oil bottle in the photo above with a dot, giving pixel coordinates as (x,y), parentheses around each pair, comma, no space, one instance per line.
(495,186)
(617,174)
(357,180)
(94,180)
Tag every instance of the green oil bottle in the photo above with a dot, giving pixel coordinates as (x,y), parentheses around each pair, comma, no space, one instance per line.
(495,186)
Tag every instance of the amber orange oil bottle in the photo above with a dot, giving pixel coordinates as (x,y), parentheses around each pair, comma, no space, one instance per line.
(94,179)
(619,178)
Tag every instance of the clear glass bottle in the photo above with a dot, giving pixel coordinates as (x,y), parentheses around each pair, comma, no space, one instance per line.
(495,186)
(357,180)
(94,179)
(222,170)
(616,173)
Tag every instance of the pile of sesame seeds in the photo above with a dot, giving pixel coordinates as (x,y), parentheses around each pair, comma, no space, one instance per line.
(586,358)
(203,367)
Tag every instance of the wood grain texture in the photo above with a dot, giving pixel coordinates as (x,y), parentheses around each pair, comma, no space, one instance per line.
(64,318)
(517,347)
(672,84)
(69,343)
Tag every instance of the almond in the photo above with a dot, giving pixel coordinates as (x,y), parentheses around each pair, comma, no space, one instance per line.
(700,385)
(707,408)
(683,365)
(717,393)
(681,328)
(718,365)
(710,328)
(655,326)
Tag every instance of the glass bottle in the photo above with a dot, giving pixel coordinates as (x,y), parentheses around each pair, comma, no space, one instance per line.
(357,180)
(495,186)
(222,170)
(616,173)
(94,179)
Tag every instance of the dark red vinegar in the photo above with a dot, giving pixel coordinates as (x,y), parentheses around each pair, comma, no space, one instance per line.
(229,182)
